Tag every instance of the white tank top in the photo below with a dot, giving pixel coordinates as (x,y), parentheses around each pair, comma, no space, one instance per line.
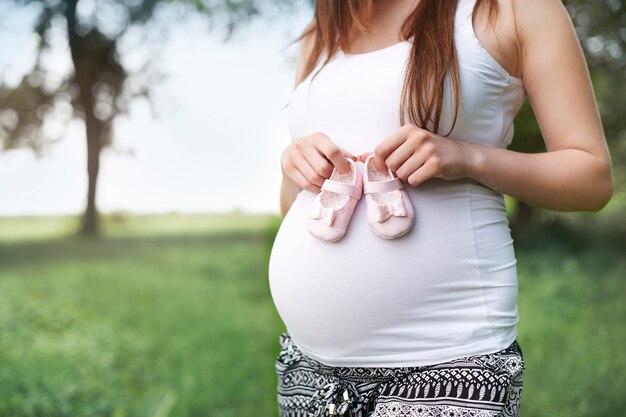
(446,289)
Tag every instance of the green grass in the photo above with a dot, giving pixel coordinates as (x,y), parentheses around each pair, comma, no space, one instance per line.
(29,228)
(572,286)
(138,326)
(171,315)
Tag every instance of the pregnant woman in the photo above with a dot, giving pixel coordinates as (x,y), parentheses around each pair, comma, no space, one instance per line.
(424,323)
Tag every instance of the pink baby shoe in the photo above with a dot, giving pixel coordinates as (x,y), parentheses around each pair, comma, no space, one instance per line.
(389,211)
(334,205)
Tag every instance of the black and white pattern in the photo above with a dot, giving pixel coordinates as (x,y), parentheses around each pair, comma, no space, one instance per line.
(474,386)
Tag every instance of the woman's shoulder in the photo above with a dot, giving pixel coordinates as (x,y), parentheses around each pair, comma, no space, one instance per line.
(537,18)
(517,26)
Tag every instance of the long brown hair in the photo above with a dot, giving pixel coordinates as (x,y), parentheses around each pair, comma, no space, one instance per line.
(432,56)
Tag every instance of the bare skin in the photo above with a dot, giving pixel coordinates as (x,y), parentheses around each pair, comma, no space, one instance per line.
(575,174)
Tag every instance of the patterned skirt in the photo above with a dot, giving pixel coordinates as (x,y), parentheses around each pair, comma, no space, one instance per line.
(473,386)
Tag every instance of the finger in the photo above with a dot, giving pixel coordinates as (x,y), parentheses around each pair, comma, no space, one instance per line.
(334,154)
(320,164)
(409,166)
(400,155)
(364,156)
(349,155)
(388,145)
(426,171)
(307,170)
(297,177)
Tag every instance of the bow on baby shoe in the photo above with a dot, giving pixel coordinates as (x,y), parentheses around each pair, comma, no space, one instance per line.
(382,212)
(327,214)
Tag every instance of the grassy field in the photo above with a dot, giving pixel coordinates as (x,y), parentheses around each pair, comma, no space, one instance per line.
(172,316)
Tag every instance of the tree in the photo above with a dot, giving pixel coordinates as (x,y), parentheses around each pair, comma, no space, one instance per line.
(101,87)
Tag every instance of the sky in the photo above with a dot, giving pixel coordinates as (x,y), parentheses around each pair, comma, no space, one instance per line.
(215,144)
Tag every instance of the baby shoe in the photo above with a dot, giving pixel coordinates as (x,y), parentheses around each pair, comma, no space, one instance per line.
(390,213)
(334,205)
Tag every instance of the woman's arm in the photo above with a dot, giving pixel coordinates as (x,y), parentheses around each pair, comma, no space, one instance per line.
(288,188)
(575,173)
(309,160)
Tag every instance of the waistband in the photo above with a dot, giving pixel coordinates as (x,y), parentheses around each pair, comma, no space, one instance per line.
(290,353)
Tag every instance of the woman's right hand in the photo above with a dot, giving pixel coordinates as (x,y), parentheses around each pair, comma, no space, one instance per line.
(310,160)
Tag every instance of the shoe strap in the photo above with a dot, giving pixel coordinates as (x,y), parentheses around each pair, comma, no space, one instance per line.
(342,188)
(382,186)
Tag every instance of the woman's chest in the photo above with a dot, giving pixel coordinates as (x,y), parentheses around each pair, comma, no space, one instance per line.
(354,100)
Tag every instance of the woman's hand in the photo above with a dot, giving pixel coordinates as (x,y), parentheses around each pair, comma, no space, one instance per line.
(310,160)
(415,155)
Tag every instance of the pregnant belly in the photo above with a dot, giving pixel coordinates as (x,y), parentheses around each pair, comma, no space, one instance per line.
(433,288)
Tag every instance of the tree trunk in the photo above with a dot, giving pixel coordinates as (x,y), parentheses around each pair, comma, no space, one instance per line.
(91,224)
(84,77)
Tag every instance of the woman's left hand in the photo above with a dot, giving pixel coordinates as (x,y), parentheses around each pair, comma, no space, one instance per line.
(415,155)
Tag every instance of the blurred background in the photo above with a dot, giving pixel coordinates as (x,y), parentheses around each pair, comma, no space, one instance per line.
(139,184)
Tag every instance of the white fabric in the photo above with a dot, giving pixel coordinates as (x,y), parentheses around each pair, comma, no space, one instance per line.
(446,289)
